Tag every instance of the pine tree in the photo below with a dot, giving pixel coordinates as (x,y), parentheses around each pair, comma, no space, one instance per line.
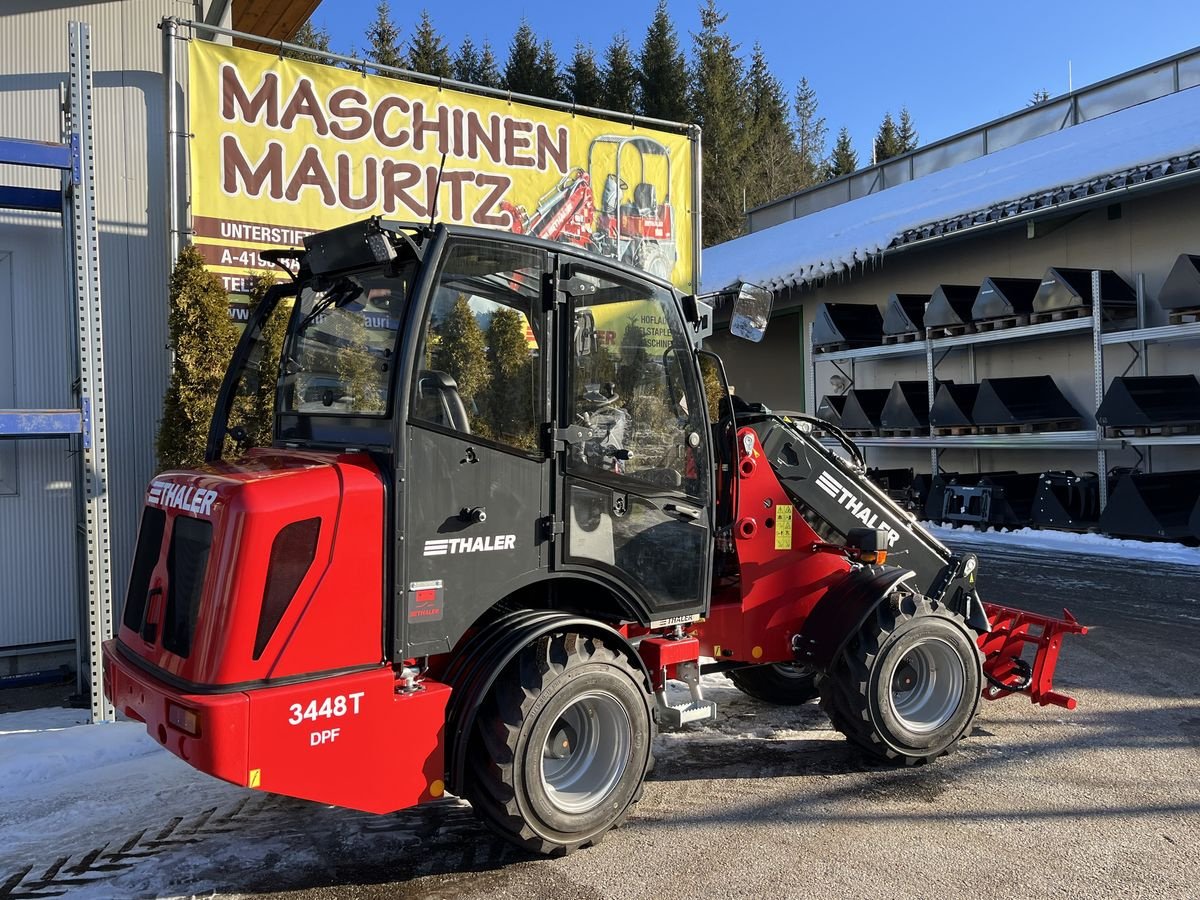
(308,35)
(522,74)
(461,353)
(1040,96)
(771,170)
(811,135)
(466,62)
(509,407)
(489,72)
(202,340)
(550,81)
(719,109)
(383,36)
(582,77)
(843,160)
(427,51)
(620,76)
(887,139)
(906,133)
(662,71)
(254,405)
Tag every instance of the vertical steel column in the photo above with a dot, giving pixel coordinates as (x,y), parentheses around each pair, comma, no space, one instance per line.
(932,387)
(1098,383)
(80,186)
(810,389)
(174,223)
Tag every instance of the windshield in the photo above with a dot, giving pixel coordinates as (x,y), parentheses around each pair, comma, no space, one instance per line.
(343,344)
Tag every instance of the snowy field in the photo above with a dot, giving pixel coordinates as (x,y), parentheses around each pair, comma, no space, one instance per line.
(1067,542)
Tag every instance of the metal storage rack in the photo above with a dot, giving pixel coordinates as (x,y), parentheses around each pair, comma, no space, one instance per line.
(75,202)
(935,350)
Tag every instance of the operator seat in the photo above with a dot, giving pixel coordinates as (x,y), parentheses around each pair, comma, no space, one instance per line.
(439,400)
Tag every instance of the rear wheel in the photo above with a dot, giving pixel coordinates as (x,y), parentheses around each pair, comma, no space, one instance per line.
(562,745)
(908,685)
(785,684)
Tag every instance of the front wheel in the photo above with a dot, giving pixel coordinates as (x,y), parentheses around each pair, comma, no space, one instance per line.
(562,745)
(908,685)
(784,684)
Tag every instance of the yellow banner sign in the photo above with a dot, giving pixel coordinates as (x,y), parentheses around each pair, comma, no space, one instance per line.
(282,148)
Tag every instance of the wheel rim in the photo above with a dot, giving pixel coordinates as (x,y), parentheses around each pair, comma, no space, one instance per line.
(927,685)
(793,670)
(586,752)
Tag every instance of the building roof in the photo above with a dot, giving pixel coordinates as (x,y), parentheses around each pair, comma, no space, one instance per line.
(1135,148)
(277,20)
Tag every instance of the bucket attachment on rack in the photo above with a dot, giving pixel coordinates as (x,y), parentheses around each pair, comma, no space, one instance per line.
(995,498)
(1150,401)
(863,409)
(953,404)
(1181,290)
(919,495)
(1158,505)
(896,483)
(1066,500)
(1065,291)
(907,407)
(1003,298)
(905,314)
(1023,401)
(831,407)
(950,306)
(845,326)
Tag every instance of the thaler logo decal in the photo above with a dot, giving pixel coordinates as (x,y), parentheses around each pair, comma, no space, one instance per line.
(442,546)
(855,506)
(183,497)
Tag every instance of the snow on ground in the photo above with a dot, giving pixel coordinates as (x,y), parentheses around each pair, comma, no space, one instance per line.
(1069,542)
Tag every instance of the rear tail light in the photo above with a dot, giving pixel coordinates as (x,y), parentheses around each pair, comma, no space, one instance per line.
(184,719)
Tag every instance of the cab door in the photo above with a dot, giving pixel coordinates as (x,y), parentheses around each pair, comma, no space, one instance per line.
(632,442)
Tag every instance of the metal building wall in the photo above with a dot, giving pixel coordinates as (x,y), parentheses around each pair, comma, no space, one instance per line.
(38,590)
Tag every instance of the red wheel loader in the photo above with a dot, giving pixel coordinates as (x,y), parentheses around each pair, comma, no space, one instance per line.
(471,560)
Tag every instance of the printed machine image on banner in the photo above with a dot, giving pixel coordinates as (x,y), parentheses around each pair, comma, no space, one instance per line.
(282,148)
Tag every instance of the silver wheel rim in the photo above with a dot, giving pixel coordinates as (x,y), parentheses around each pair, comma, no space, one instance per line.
(586,752)
(792,670)
(927,685)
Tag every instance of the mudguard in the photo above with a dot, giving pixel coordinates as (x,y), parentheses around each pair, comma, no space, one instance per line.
(839,615)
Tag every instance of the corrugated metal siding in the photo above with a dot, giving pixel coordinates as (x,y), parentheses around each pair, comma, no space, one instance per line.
(38,590)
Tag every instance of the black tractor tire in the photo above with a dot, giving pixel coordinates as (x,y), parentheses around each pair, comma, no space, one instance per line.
(784,684)
(908,685)
(562,745)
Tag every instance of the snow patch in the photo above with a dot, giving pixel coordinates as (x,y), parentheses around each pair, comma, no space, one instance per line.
(1068,542)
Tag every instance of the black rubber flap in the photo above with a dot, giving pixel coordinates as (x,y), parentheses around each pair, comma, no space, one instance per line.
(1064,288)
(1181,290)
(863,408)
(1151,400)
(1161,505)
(907,406)
(852,324)
(830,408)
(1021,401)
(1067,500)
(950,304)
(905,313)
(1000,297)
(952,405)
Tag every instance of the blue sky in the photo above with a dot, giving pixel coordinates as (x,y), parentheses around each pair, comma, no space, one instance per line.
(954,65)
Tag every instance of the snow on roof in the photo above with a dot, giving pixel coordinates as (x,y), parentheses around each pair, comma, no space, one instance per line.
(836,239)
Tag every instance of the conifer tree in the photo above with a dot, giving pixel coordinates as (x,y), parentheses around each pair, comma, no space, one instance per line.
(1039,97)
(522,74)
(887,139)
(770,169)
(461,353)
(582,77)
(843,160)
(550,82)
(509,408)
(619,76)
(662,71)
(719,109)
(308,35)
(202,341)
(489,72)
(811,134)
(383,37)
(254,406)
(906,133)
(427,51)
(466,62)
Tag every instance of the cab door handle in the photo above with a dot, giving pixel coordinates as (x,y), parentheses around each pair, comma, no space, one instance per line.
(686,513)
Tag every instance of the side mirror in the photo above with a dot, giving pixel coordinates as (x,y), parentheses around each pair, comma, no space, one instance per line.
(751,312)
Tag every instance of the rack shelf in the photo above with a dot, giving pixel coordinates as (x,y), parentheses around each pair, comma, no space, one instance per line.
(1042,440)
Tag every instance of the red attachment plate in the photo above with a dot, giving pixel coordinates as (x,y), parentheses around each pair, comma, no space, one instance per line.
(1008,673)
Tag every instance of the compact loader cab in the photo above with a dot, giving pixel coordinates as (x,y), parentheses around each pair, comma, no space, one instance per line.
(492,518)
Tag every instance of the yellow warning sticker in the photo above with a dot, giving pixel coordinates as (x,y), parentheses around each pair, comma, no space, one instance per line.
(783,526)
(255,779)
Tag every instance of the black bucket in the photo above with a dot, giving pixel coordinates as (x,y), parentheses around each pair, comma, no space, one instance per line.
(1181,290)
(1065,290)
(830,408)
(905,314)
(992,498)
(950,305)
(907,406)
(847,325)
(1027,400)
(1066,500)
(1150,401)
(896,483)
(953,404)
(1001,298)
(863,409)
(1164,505)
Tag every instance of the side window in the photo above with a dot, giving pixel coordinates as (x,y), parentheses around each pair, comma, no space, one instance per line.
(629,391)
(479,368)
